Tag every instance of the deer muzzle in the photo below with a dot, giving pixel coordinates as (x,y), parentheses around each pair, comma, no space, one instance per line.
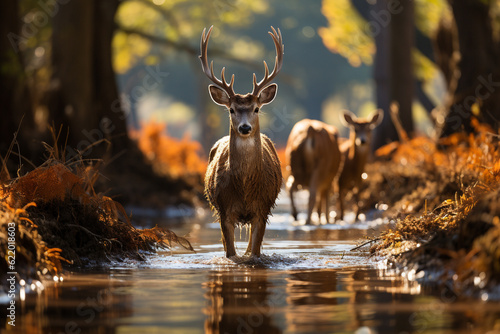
(244,129)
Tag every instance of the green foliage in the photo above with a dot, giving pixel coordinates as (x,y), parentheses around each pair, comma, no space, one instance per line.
(424,69)
(173,23)
(428,13)
(345,34)
(348,33)
(128,50)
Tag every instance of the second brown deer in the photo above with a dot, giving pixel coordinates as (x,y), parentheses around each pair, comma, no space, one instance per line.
(313,160)
(355,151)
(243,177)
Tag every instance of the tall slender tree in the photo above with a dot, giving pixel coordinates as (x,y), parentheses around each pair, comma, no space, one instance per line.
(401,75)
(476,91)
(14,94)
(84,93)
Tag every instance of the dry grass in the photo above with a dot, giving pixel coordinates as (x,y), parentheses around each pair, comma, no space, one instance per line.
(32,255)
(71,216)
(448,203)
(59,215)
(168,155)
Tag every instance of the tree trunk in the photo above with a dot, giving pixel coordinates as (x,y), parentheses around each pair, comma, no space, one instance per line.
(381,72)
(106,87)
(479,69)
(423,44)
(402,77)
(85,98)
(14,94)
(393,69)
(85,95)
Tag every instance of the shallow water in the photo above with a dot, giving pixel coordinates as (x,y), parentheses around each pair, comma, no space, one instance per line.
(307,281)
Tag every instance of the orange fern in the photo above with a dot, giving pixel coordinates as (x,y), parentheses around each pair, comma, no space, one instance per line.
(170,155)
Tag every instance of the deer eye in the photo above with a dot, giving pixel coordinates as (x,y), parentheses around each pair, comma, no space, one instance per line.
(231,110)
(256,109)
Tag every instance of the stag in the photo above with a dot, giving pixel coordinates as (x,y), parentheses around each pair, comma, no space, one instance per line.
(243,177)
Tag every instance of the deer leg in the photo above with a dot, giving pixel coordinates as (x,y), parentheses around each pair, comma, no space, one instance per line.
(313,188)
(319,203)
(291,189)
(319,200)
(356,200)
(322,204)
(325,201)
(340,200)
(249,247)
(258,229)
(256,224)
(227,229)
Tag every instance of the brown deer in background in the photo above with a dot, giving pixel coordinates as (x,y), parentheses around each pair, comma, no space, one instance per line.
(243,177)
(313,160)
(355,151)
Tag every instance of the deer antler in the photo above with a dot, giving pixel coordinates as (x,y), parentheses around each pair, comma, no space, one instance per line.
(228,88)
(278,43)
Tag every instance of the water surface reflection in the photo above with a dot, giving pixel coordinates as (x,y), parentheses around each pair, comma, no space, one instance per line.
(240,299)
(307,281)
(240,303)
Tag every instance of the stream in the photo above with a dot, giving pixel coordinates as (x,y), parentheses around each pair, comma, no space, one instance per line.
(308,280)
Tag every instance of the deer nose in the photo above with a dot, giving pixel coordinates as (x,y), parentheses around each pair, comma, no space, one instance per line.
(360,141)
(245,129)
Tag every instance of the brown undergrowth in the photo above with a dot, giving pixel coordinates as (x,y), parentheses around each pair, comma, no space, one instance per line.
(58,216)
(22,249)
(172,156)
(179,160)
(445,200)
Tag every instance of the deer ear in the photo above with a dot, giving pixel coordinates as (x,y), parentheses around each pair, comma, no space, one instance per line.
(378,116)
(347,118)
(268,94)
(219,96)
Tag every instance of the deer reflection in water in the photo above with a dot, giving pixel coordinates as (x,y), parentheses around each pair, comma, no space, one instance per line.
(240,303)
(252,302)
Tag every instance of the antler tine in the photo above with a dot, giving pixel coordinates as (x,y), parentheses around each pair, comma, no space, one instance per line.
(209,70)
(278,63)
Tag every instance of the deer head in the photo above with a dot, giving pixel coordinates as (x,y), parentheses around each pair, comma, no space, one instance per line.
(244,109)
(361,128)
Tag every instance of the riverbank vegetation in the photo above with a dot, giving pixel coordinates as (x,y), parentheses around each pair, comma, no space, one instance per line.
(58,220)
(443,199)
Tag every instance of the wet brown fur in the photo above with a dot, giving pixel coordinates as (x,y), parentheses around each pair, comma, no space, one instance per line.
(242,186)
(313,160)
(243,177)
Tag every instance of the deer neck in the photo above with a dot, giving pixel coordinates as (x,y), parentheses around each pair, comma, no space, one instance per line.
(352,146)
(358,155)
(245,154)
